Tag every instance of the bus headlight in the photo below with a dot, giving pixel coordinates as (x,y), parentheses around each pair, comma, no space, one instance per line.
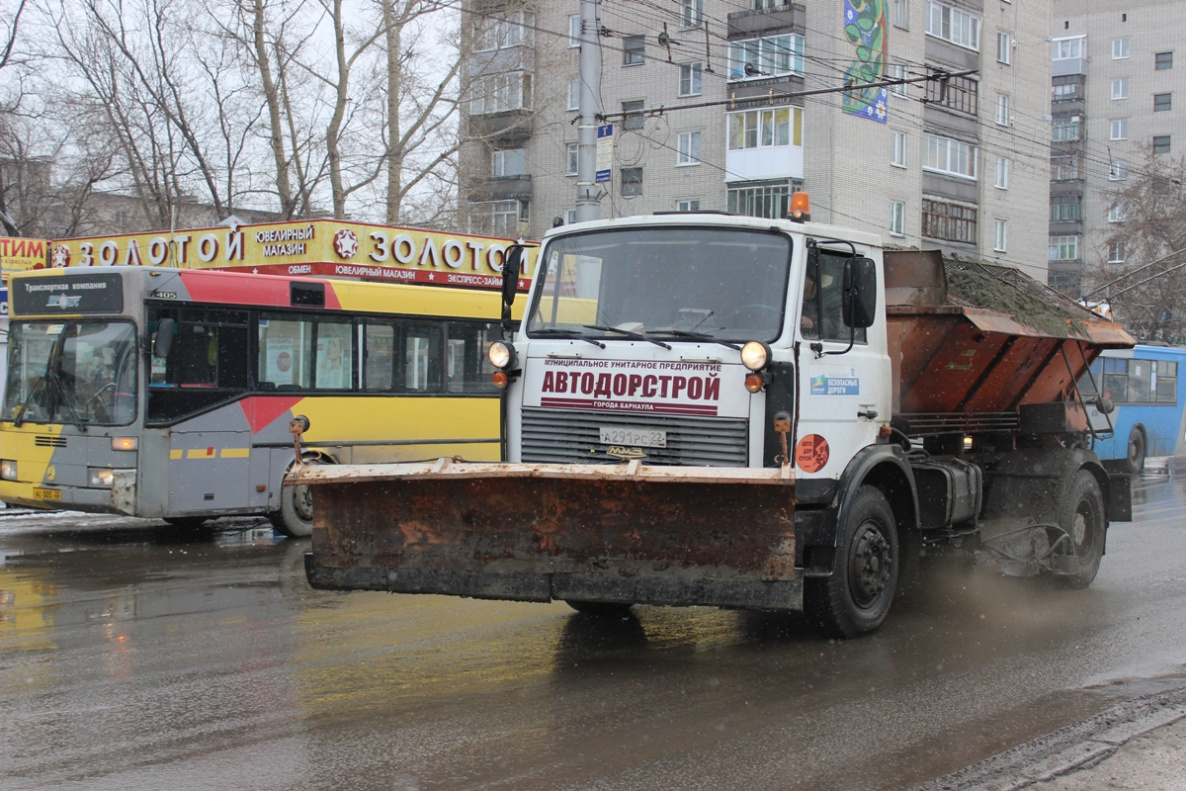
(8,470)
(502,355)
(125,443)
(99,477)
(755,355)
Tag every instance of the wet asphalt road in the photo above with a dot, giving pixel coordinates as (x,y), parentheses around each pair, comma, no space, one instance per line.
(133,657)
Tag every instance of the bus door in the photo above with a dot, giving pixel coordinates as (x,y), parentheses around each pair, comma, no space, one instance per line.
(196,391)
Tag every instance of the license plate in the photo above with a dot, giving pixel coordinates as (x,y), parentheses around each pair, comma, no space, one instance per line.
(47,494)
(633,437)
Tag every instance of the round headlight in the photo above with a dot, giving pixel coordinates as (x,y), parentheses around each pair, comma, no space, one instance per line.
(755,355)
(502,354)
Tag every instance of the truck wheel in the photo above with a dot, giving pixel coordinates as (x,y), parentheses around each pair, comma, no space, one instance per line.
(600,608)
(1083,519)
(295,517)
(856,597)
(1136,450)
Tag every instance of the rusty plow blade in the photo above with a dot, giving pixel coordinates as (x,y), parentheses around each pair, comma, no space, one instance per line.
(628,533)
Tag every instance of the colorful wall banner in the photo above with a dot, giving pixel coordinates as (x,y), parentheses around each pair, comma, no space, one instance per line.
(332,248)
(19,255)
(865,28)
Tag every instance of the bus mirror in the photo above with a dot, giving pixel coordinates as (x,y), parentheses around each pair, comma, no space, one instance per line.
(1105,405)
(860,292)
(162,341)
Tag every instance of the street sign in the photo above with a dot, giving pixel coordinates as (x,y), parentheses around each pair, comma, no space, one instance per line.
(605,153)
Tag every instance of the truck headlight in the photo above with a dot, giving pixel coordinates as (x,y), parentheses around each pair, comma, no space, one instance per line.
(755,355)
(8,470)
(502,355)
(99,477)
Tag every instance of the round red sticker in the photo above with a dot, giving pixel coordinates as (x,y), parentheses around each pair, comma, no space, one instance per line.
(811,454)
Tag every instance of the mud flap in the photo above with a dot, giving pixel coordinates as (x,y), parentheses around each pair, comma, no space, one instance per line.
(629,533)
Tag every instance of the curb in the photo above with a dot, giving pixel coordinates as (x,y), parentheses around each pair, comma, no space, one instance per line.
(1070,749)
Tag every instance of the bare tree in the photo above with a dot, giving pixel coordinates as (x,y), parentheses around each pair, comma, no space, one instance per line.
(1147,245)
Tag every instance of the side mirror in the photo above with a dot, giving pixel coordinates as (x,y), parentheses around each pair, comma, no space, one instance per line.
(511,263)
(162,341)
(860,292)
(1105,405)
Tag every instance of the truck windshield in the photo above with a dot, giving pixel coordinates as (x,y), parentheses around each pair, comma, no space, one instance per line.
(721,284)
(71,372)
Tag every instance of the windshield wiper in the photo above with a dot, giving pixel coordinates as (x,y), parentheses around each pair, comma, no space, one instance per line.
(56,380)
(628,333)
(700,336)
(558,333)
(20,413)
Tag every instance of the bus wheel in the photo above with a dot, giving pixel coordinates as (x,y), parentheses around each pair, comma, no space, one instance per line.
(856,597)
(1136,450)
(1083,519)
(295,517)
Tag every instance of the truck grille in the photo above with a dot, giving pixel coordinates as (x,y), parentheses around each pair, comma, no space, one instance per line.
(566,437)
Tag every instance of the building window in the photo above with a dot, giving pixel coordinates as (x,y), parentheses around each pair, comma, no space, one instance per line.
(1066,208)
(952,157)
(1120,88)
(897,71)
(687,147)
(899,160)
(1117,213)
(505,216)
(1163,61)
(691,13)
(690,78)
(631,181)
(763,200)
(901,18)
(761,5)
(1000,236)
(573,159)
(770,56)
(1002,180)
(952,24)
(508,162)
(897,222)
(688,205)
(762,128)
(1161,144)
(1064,167)
(1002,110)
(1063,92)
(574,31)
(1161,102)
(513,30)
(954,93)
(1116,252)
(1119,48)
(574,95)
(499,93)
(570,216)
(1063,248)
(1065,130)
(634,118)
(633,50)
(949,221)
(1004,48)
(1120,129)
(1068,48)
(1118,170)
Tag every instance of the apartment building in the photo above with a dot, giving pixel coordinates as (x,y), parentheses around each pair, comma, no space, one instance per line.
(731,106)
(1113,85)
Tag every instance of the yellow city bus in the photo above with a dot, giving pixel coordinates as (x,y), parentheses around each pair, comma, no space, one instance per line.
(168,393)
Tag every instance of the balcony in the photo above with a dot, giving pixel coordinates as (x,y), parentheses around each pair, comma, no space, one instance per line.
(785,17)
(502,188)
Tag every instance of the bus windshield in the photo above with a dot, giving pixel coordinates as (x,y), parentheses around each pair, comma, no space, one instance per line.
(664,283)
(71,372)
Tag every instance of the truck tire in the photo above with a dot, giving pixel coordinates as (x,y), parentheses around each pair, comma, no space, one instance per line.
(856,598)
(1083,519)
(295,517)
(1136,450)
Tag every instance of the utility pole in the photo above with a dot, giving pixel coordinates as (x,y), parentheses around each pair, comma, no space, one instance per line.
(588,193)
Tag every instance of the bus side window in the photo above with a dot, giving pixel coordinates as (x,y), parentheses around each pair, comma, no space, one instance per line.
(423,358)
(468,368)
(378,361)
